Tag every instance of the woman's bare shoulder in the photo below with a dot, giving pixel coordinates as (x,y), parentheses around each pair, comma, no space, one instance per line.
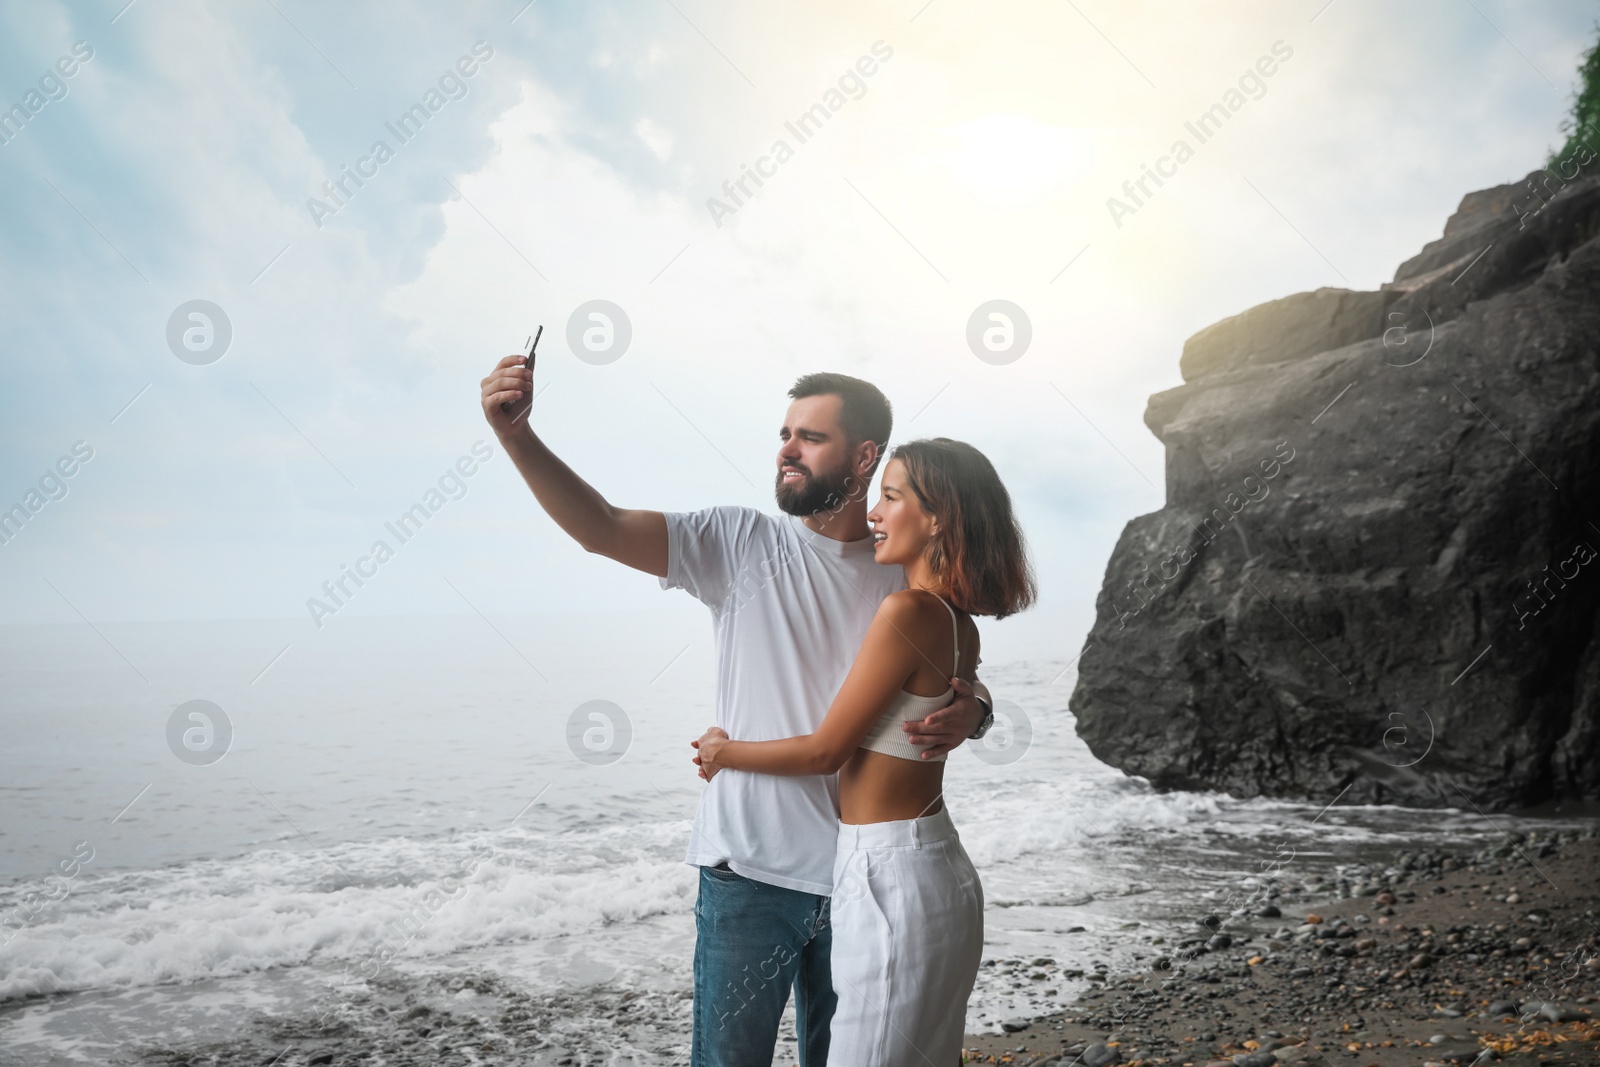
(912,605)
(922,616)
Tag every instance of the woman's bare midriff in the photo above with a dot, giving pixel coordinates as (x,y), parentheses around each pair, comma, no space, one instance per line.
(874,787)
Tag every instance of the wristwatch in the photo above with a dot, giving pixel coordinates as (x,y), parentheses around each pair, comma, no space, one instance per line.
(988,719)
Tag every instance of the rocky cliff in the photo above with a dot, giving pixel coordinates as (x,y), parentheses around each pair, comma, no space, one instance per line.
(1379,561)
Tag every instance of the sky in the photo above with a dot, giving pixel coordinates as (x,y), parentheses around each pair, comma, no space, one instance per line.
(969,154)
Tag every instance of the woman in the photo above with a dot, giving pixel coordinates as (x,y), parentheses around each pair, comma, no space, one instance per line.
(907,908)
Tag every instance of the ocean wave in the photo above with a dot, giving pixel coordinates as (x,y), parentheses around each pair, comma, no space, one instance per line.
(360,904)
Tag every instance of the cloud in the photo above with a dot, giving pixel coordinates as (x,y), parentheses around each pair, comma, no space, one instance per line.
(655,138)
(576,167)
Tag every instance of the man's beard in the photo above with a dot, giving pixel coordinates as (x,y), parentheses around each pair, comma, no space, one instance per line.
(815,493)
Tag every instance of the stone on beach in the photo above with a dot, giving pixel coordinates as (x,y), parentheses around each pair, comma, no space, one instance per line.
(1099,1055)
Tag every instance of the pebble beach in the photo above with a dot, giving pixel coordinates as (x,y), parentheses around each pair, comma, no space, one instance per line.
(1439,958)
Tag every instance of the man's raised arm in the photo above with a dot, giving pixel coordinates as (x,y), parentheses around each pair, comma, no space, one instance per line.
(636,538)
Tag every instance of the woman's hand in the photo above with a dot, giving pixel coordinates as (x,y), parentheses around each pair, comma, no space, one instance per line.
(708,746)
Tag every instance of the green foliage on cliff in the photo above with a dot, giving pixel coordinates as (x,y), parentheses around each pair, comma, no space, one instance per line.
(1584,123)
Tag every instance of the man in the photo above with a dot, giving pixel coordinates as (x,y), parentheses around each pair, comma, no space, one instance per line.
(791,598)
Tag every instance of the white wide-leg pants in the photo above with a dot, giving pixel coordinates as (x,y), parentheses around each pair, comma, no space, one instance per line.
(907,917)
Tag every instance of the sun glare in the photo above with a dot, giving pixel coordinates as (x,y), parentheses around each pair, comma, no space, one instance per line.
(1009,160)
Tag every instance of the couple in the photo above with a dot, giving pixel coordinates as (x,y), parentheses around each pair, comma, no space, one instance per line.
(840,648)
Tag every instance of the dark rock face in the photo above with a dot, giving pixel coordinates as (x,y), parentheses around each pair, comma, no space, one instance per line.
(1379,561)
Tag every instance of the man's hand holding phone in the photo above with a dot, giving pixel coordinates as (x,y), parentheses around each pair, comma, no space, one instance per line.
(508,390)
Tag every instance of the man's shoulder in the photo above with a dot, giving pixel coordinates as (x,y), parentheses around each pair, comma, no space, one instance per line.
(734,516)
(729,511)
(732,524)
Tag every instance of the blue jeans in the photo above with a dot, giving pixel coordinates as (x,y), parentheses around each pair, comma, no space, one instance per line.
(753,941)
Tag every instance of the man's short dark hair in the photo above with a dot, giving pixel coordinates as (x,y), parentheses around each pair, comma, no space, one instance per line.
(864,411)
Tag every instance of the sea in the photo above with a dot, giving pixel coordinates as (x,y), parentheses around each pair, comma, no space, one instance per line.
(206,826)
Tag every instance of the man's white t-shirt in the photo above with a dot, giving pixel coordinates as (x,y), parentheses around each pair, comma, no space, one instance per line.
(790,609)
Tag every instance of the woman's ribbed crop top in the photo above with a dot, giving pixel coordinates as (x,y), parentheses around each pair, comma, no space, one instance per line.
(886,735)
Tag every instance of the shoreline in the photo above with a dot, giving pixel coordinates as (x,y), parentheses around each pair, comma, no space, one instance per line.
(1237,975)
(1435,958)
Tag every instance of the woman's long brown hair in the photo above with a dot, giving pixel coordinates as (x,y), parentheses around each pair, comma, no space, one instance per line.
(979,553)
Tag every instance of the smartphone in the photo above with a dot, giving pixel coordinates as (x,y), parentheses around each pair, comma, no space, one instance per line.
(532,344)
(527,360)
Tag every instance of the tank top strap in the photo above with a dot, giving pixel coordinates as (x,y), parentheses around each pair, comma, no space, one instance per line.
(955,633)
